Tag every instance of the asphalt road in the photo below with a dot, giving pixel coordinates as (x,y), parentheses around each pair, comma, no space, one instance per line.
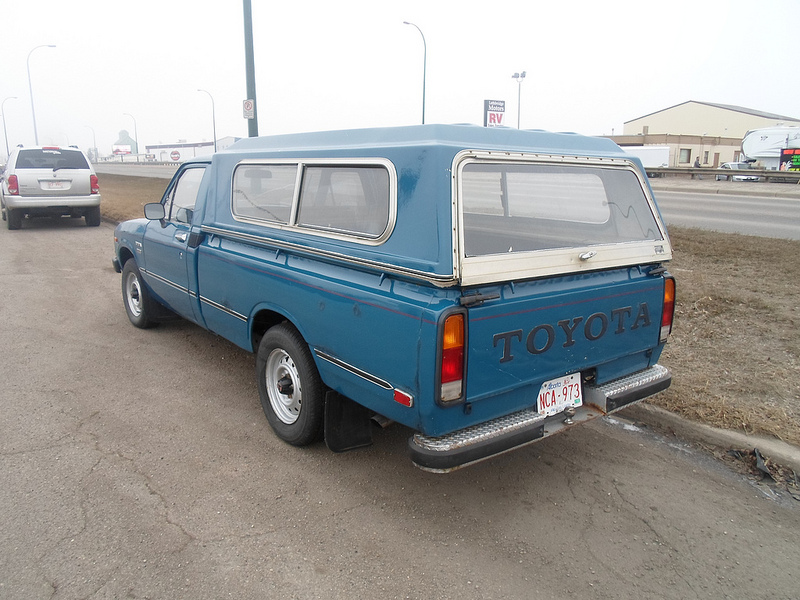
(751,215)
(138,464)
(729,212)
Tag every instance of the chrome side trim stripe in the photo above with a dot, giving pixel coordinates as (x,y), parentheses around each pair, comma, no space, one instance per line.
(354,370)
(164,280)
(224,309)
(171,284)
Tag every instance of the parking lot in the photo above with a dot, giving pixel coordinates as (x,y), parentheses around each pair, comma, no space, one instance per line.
(139,464)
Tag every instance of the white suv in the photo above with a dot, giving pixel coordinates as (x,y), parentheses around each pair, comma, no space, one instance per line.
(49,181)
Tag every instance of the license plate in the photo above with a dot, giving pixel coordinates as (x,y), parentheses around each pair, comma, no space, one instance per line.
(55,185)
(557,394)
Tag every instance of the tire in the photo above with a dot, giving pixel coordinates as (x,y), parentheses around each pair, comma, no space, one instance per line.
(291,391)
(13,219)
(92,216)
(139,304)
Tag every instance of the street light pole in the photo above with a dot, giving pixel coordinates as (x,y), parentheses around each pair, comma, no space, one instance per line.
(519,77)
(250,68)
(135,134)
(30,90)
(94,141)
(424,66)
(213,117)
(5,132)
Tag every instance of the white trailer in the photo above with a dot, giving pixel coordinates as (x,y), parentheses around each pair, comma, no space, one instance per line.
(651,156)
(765,145)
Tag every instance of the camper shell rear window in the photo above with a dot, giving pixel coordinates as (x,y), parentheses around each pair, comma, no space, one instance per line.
(528,216)
(527,207)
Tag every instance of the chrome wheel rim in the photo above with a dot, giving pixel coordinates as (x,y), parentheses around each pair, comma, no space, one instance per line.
(286,401)
(133,295)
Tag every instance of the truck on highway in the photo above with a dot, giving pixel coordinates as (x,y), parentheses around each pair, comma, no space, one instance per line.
(483,287)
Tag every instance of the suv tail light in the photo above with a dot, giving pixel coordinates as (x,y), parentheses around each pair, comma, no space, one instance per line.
(451,372)
(669,309)
(13,185)
(95,183)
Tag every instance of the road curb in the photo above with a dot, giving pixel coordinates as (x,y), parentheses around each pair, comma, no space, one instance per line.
(780,452)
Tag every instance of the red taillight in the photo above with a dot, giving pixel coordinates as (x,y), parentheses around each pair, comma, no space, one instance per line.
(668,311)
(452,370)
(13,185)
(95,184)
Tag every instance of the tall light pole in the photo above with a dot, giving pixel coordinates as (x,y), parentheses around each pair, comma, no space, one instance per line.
(250,70)
(519,77)
(94,141)
(30,90)
(135,134)
(3,110)
(424,66)
(213,117)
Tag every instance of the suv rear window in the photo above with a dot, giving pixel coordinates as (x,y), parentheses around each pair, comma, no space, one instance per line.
(55,158)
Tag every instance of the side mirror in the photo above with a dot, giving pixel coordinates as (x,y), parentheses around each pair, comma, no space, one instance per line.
(154,211)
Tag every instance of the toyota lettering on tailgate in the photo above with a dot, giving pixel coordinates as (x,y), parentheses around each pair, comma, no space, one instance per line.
(542,337)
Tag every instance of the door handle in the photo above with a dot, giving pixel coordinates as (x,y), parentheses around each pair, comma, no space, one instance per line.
(182,237)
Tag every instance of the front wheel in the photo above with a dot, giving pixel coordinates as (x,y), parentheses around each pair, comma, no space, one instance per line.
(139,305)
(289,386)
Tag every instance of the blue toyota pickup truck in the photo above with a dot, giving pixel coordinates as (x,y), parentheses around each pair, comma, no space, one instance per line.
(484,287)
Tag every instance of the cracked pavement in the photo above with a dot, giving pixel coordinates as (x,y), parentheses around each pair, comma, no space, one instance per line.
(138,464)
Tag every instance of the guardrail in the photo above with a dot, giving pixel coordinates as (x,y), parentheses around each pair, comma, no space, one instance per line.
(763,175)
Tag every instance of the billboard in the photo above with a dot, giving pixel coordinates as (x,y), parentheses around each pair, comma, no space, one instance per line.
(790,159)
(493,113)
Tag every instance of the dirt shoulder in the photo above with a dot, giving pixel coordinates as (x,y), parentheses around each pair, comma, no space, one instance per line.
(735,346)
(735,349)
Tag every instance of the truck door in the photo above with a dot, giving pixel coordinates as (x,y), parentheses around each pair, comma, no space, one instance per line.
(165,243)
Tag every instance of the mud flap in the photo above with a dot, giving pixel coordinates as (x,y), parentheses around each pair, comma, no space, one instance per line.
(347,423)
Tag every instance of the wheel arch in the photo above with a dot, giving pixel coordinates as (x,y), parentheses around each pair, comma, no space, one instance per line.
(125,254)
(263,320)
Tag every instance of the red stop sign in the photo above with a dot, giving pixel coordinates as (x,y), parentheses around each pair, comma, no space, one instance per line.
(175,155)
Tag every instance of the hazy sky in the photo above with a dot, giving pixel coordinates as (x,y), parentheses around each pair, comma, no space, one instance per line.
(591,65)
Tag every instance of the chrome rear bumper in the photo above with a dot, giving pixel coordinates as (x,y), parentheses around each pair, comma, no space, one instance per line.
(479,442)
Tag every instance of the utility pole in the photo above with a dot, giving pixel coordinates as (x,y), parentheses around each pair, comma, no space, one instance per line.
(250,68)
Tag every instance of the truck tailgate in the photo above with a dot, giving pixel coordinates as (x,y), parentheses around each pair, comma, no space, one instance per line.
(603,325)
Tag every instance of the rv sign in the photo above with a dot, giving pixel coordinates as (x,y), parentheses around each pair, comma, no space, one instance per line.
(493,112)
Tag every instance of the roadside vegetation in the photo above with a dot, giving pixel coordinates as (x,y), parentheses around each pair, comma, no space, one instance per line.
(735,348)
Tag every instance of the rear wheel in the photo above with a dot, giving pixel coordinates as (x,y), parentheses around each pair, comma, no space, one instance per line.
(291,391)
(13,218)
(92,216)
(139,305)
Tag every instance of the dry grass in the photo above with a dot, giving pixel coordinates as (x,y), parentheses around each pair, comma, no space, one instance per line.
(735,348)
(124,197)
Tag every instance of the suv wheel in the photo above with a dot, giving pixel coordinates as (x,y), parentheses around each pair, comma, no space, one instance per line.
(92,216)
(13,218)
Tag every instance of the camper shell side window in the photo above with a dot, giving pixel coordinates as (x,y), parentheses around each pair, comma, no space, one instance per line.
(353,200)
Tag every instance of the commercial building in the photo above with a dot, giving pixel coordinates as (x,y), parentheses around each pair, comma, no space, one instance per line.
(711,132)
(181,151)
